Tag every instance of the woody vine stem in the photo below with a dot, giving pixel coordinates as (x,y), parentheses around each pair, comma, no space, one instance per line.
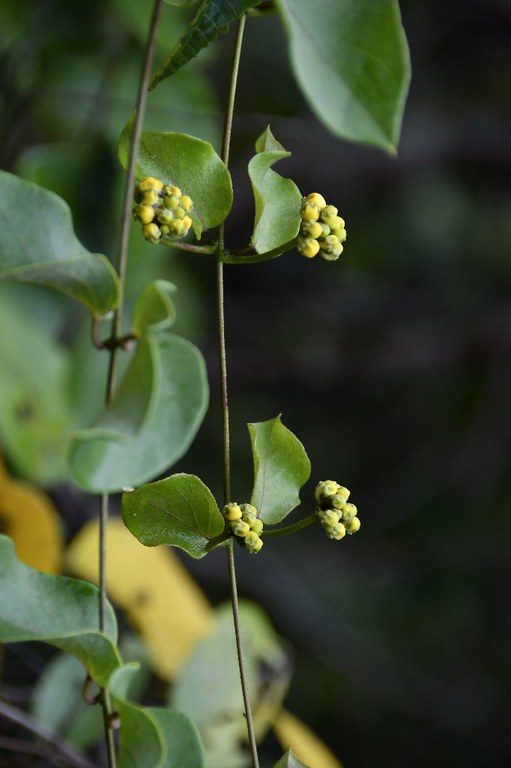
(229,113)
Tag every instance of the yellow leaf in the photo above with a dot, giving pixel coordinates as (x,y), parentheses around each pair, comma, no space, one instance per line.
(292,732)
(28,516)
(158,596)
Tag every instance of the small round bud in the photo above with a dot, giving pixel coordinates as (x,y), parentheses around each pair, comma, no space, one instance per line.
(144,213)
(252,542)
(339,223)
(338,532)
(328,517)
(172,202)
(164,216)
(257,525)
(179,213)
(170,189)
(309,212)
(150,197)
(329,215)
(232,511)
(325,489)
(317,199)
(150,183)
(151,232)
(337,501)
(340,234)
(240,528)
(307,246)
(248,511)
(353,526)
(350,511)
(186,203)
(342,491)
(187,223)
(311,229)
(177,228)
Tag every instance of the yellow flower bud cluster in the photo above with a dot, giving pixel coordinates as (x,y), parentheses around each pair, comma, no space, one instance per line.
(322,230)
(162,210)
(337,516)
(245,525)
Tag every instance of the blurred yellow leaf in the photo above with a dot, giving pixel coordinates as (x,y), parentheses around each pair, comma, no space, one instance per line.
(292,732)
(28,516)
(158,596)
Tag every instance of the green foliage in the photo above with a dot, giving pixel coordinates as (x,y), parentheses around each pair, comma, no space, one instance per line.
(281,467)
(277,200)
(47,252)
(213,18)
(351,61)
(173,404)
(179,510)
(190,163)
(290,761)
(154,310)
(57,610)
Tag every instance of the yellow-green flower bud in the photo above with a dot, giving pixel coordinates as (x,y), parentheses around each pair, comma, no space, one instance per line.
(248,511)
(187,203)
(337,501)
(342,491)
(311,229)
(172,202)
(329,215)
(144,213)
(187,223)
(325,489)
(317,199)
(331,248)
(150,197)
(257,525)
(307,246)
(340,234)
(232,511)
(177,228)
(339,223)
(239,528)
(170,189)
(338,532)
(164,216)
(350,511)
(353,526)
(151,232)
(252,542)
(150,183)
(310,212)
(328,517)
(325,229)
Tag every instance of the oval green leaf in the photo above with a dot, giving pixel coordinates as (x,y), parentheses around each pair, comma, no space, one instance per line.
(107,463)
(212,18)
(57,610)
(277,200)
(154,309)
(352,63)
(46,250)
(281,467)
(190,163)
(179,511)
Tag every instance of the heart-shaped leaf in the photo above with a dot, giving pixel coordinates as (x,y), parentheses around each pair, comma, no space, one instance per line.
(106,463)
(351,61)
(277,200)
(179,511)
(38,245)
(212,18)
(190,163)
(281,467)
(56,610)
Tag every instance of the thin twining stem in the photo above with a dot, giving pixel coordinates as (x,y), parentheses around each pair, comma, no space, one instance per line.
(229,112)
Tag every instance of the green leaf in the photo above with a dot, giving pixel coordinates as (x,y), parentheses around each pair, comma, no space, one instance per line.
(35,415)
(56,610)
(277,200)
(351,61)
(154,309)
(208,688)
(212,18)
(38,245)
(152,736)
(281,467)
(179,511)
(190,163)
(178,398)
(290,761)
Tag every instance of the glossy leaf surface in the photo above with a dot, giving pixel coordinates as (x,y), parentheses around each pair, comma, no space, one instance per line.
(277,200)
(212,18)
(190,163)
(351,61)
(47,252)
(57,610)
(281,467)
(178,396)
(179,511)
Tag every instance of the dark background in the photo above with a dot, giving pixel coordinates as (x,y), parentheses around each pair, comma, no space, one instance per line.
(392,365)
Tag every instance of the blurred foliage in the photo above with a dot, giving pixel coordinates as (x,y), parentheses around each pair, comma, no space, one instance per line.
(393,365)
